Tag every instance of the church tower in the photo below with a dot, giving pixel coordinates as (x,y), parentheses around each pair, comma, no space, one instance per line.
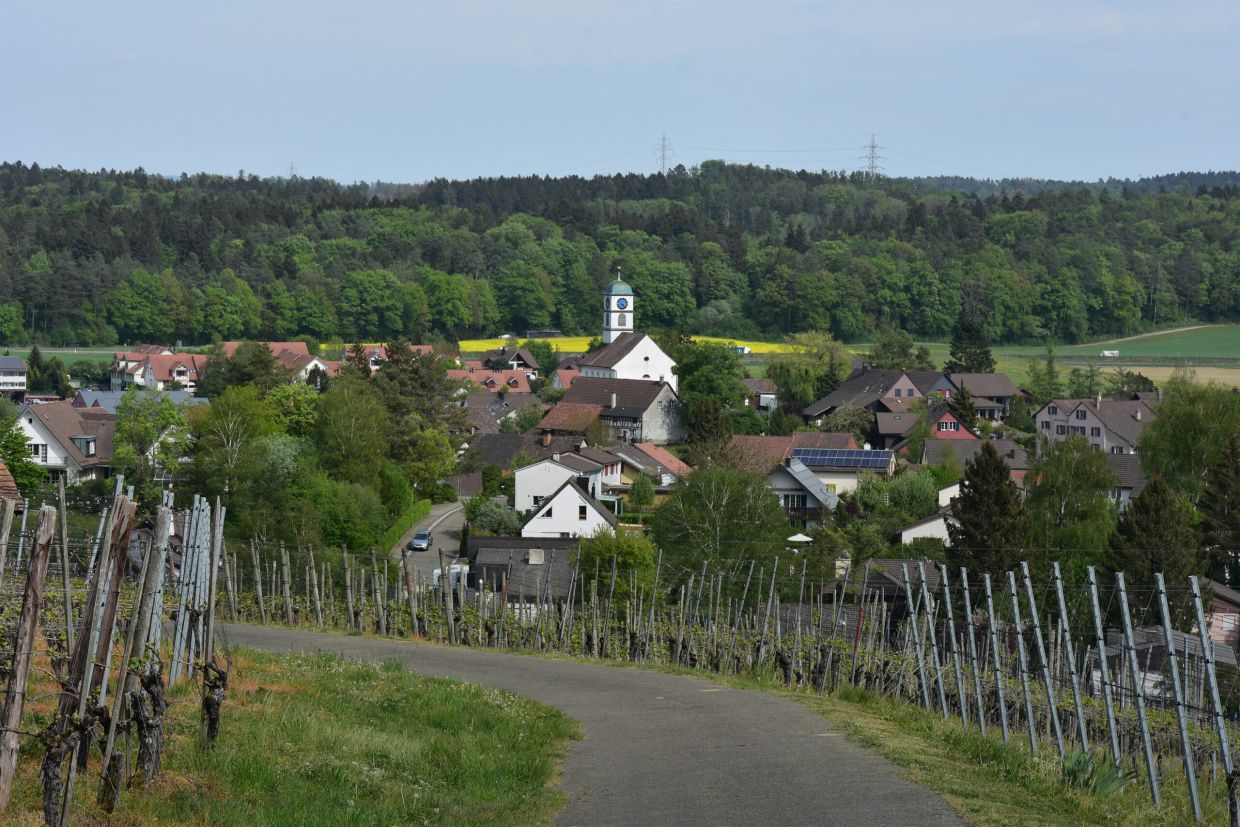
(617,310)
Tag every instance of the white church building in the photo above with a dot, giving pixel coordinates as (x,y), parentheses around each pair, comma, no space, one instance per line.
(626,354)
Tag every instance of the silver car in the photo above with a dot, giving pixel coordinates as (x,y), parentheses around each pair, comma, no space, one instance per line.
(421,541)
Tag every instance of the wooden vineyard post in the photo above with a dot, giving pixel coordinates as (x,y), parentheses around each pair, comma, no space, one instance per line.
(258,581)
(1052,706)
(977,668)
(994,648)
(1070,656)
(27,626)
(1134,670)
(314,585)
(7,509)
(64,566)
(284,585)
(1181,712)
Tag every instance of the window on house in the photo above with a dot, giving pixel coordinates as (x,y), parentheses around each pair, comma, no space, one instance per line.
(897,393)
(538,500)
(1095,431)
(547,514)
(1116,449)
(1053,410)
(1061,429)
(1081,414)
(581,512)
(1046,425)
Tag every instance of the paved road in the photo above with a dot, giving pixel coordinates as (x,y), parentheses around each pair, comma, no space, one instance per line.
(666,749)
(445,520)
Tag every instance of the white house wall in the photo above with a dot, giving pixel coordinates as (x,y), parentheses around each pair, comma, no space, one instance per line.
(540,481)
(564,520)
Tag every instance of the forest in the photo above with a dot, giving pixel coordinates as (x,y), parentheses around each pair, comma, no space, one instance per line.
(105,258)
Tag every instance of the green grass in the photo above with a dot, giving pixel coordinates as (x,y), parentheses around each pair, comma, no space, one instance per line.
(1211,342)
(315,740)
(69,355)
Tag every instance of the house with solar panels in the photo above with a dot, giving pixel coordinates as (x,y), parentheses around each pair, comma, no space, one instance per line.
(841,469)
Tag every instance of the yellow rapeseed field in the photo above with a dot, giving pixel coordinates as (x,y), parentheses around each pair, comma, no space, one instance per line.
(578,344)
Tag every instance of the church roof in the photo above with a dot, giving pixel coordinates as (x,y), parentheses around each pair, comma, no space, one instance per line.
(619,288)
(612,354)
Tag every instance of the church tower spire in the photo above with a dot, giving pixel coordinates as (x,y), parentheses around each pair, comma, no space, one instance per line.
(617,310)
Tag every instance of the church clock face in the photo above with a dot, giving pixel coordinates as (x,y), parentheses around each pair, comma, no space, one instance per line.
(622,303)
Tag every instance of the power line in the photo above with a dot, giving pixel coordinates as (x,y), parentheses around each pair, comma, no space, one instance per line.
(871,158)
(664,150)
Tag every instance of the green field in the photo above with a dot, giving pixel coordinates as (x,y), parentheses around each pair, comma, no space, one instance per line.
(68,355)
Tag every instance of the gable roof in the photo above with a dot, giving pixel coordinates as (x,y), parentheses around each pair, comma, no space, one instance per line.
(163,366)
(633,396)
(503,565)
(611,355)
(924,380)
(606,513)
(990,385)
(506,354)
(298,348)
(108,400)
(966,450)
(763,385)
(813,486)
(64,422)
(762,453)
(492,380)
(500,449)
(862,388)
(570,416)
(665,458)
(1127,470)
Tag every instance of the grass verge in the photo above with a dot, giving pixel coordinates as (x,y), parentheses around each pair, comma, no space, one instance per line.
(316,740)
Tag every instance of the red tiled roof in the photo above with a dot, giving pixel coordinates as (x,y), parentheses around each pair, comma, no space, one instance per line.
(8,488)
(492,380)
(275,347)
(570,416)
(665,458)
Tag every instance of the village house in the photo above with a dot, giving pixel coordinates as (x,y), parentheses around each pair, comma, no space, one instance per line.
(1113,426)
(534,483)
(508,358)
(569,512)
(1130,480)
(762,394)
(107,401)
(67,441)
(636,410)
(522,569)
(960,453)
(992,392)
(13,377)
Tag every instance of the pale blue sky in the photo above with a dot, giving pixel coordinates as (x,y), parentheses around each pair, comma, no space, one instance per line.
(406,91)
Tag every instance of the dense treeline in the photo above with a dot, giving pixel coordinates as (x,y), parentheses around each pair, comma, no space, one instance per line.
(109,257)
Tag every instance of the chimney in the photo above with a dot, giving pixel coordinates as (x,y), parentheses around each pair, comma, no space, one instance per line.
(546,439)
(1138,414)
(1098,401)
(556,456)
(613,400)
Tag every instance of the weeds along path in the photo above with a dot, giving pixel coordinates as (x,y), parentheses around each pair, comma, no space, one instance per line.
(667,749)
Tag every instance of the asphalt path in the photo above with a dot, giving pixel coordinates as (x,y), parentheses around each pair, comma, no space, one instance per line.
(445,522)
(666,749)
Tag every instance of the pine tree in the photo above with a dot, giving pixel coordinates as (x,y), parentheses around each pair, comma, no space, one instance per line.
(962,407)
(970,352)
(990,524)
(1220,504)
(1156,534)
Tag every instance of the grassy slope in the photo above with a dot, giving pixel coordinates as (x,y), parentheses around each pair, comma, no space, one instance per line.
(314,740)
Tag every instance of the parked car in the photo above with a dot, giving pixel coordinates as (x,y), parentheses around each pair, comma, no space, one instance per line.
(421,541)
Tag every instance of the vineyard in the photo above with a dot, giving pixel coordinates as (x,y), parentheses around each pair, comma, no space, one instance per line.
(1119,685)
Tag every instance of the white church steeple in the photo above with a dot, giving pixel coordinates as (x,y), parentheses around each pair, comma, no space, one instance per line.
(617,310)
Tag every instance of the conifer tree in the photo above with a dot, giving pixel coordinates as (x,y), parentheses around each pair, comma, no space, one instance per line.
(1220,504)
(990,525)
(962,407)
(1156,534)
(970,351)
